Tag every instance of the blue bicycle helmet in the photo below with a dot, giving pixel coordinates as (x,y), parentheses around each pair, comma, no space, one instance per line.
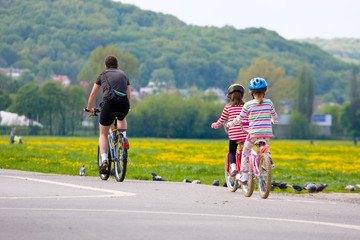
(257,83)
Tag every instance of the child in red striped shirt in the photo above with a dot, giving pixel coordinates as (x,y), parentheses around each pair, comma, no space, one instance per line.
(231,111)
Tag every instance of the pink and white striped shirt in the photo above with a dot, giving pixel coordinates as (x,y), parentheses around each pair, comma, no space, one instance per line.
(259,117)
(231,112)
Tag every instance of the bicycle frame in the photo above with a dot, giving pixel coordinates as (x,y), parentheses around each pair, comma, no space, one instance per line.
(262,147)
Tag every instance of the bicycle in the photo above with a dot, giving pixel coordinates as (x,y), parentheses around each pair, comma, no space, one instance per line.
(231,182)
(117,152)
(260,169)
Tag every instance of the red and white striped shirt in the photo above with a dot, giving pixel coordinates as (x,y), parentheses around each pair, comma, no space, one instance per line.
(231,112)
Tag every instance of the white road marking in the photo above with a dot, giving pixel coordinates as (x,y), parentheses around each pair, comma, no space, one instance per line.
(328,224)
(111,193)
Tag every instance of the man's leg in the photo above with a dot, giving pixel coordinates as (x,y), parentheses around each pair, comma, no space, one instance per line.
(103,145)
(122,125)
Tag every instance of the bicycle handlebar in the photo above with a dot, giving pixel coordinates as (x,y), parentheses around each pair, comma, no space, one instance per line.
(96,110)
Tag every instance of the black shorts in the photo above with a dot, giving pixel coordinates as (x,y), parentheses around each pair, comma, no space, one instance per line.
(109,112)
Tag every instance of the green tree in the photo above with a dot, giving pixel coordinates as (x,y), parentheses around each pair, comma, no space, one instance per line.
(26,77)
(280,86)
(96,65)
(5,100)
(29,102)
(163,78)
(335,112)
(300,119)
(55,102)
(77,99)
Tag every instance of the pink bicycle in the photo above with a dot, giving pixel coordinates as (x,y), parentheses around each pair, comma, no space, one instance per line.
(261,165)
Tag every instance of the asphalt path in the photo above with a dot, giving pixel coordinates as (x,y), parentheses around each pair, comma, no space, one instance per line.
(47,206)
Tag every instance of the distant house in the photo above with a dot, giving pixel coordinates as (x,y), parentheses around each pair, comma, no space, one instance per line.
(63,79)
(14,73)
(323,123)
(84,84)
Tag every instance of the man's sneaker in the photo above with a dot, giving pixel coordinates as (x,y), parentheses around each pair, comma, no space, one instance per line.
(233,173)
(103,168)
(244,178)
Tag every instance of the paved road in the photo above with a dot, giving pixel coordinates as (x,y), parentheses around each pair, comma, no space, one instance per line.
(45,206)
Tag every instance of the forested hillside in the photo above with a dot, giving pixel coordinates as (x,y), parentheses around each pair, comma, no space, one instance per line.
(346,49)
(57,36)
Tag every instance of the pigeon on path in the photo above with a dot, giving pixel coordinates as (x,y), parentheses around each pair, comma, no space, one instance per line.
(215,183)
(350,188)
(196,181)
(157,177)
(310,187)
(82,170)
(186,180)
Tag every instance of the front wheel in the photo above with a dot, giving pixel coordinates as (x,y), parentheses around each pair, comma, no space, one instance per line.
(120,162)
(103,176)
(264,180)
(231,182)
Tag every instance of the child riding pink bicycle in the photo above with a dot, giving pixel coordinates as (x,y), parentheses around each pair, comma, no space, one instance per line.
(260,112)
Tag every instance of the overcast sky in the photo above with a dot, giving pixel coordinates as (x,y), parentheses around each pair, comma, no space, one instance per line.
(292,19)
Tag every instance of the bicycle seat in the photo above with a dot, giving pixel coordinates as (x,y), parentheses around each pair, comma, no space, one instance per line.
(118,115)
(260,142)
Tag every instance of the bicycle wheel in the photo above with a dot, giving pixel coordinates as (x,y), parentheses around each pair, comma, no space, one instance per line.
(103,176)
(248,188)
(264,180)
(231,182)
(120,161)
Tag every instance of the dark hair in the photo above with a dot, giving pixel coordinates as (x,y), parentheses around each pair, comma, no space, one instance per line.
(236,98)
(260,91)
(111,62)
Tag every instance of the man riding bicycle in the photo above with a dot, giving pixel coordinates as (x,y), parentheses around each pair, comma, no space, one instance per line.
(111,79)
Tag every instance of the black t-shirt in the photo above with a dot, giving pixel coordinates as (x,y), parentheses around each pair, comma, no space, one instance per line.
(117,79)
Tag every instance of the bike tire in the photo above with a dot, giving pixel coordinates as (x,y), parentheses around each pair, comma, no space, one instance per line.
(103,176)
(231,182)
(248,188)
(120,162)
(264,181)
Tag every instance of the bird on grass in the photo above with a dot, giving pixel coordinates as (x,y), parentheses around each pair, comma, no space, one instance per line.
(187,181)
(82,170)
(310,187)
(295,188)
(358,185)
(281,185)
(320,187)
(350,188)
(157,177)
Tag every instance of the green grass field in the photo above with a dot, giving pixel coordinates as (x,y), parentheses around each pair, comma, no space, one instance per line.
(336,163)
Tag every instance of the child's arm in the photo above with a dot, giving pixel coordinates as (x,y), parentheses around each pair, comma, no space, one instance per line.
(274,116)
(223,117)
(238,120)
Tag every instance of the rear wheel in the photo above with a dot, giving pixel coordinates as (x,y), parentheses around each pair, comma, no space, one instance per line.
(248,188)
(231,182)
(120,162)
(264,180)
(103,176)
